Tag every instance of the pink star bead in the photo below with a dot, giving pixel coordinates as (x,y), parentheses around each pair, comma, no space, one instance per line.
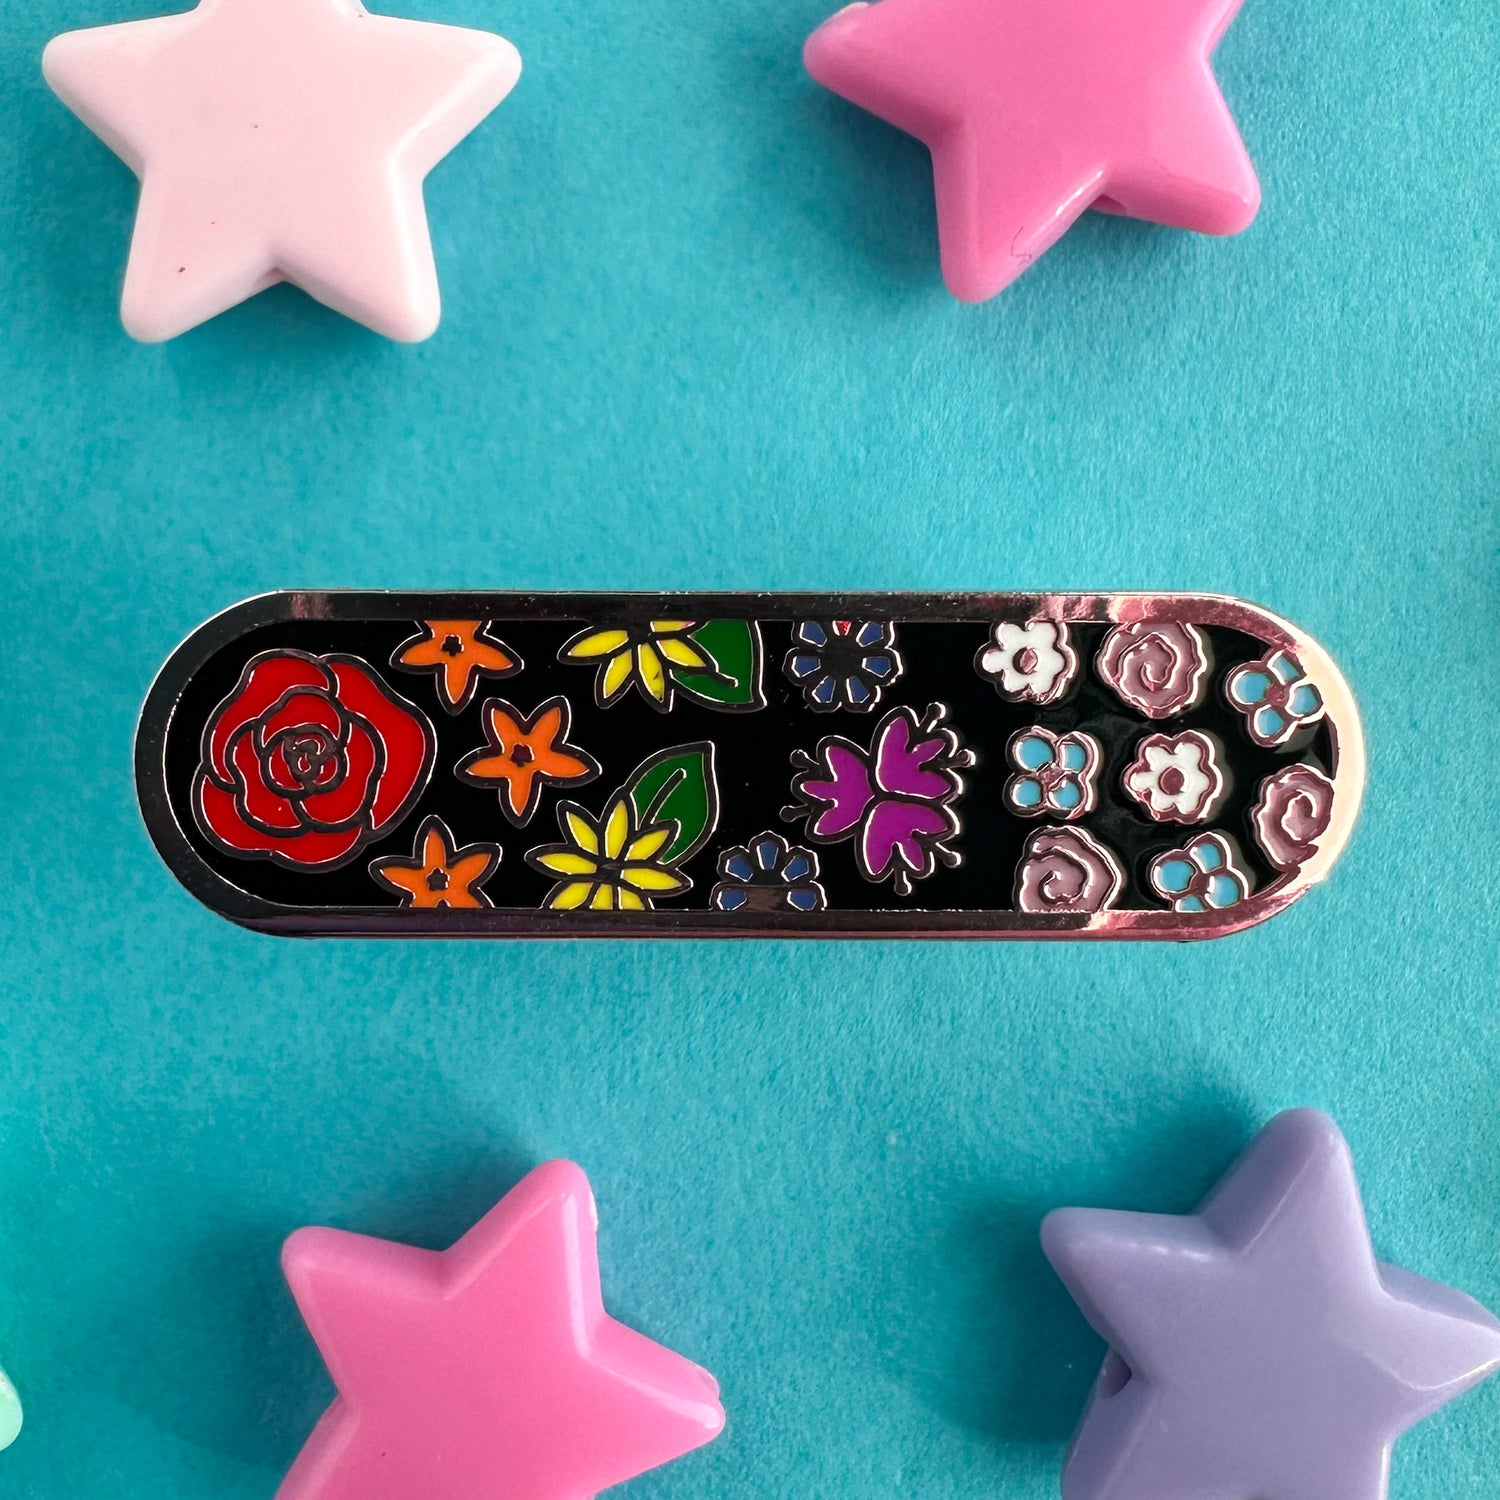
(280,140)
(488,1371)
(1035,110)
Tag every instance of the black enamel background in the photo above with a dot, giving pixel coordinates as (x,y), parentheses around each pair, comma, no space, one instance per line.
(753,755)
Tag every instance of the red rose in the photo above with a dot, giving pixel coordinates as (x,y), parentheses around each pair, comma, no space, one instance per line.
(1291,814)
(307,759)
(1157,667)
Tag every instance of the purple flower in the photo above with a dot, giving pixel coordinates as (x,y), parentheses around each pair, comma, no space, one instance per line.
(893,800)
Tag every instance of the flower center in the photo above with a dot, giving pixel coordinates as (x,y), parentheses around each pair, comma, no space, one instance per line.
(842,658)
(1026,660)
(521,755)
(1171,781)
(452,646)
(437,880)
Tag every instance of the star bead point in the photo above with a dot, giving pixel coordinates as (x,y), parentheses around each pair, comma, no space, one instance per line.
(280,140)
(1256,1346)
(490,1370)
(1035,113)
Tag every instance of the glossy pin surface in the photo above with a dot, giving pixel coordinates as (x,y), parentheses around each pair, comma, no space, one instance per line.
(1257,1347)
(488,1371)
(629,764)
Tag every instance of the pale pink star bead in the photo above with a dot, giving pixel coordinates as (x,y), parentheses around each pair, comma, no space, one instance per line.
(280,140)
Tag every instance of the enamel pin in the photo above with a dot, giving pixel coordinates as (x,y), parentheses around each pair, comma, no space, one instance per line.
(559,765)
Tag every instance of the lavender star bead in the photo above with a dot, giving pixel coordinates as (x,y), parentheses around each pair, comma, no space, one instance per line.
(1257,1348)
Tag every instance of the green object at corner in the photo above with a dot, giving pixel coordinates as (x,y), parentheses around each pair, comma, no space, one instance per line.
(10,1412)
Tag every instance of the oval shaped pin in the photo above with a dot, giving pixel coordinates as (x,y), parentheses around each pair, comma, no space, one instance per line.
(559,765)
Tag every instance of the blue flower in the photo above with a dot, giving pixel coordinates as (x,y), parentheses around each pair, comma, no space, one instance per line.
(1207,874)
(1055,773)
(1275,697)
(768,874)
(843,663)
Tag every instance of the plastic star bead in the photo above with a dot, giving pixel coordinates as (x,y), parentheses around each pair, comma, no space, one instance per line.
(1036,112)
(488,1371)
(1257,1347)
(280,140)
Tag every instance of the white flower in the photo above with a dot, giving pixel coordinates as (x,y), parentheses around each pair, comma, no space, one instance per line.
(1176,777)
(1030,663)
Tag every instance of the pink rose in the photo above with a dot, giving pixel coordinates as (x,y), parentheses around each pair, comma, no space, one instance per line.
(1291,814)
(1156,667)
(1066,871)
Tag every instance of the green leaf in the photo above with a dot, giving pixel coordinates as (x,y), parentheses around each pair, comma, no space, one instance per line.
(733,646)
(677,785)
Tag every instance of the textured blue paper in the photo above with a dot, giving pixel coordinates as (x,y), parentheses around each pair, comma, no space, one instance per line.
(694,336)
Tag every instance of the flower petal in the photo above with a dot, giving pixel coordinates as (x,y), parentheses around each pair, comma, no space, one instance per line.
(900,765)
(1248,687)
(653,674)
(890,837)
(298,707)
(1026,791)
(570,896)
(408,742)
(258,803)
(346,802)
(616,829)
(614,677)
(649,842)
(599,643)
(847,791)
(581,831)
(264,681)
(217,813)
(504,728)
(652,878)
(566,862)
(1033,752)
(680,653)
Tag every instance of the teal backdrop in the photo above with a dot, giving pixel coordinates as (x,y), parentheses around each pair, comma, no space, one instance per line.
(694,336)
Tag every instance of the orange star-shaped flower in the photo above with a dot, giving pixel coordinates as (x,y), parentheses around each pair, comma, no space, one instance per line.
(458,653)
(523,756)
(439,874)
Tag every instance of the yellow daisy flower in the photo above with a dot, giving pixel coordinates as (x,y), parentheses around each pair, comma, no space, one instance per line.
(643,656)
(610,865)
